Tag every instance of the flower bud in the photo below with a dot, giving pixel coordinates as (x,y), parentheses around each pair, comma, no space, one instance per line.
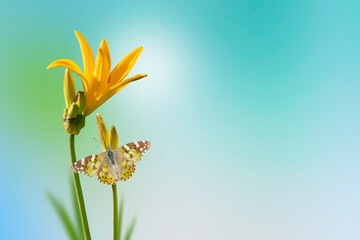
(69,88)
(73,111)
(81,102)
(73,125)
(114,140)
(74,118)
(103,132)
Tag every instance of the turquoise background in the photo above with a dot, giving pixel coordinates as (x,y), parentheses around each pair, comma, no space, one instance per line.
(252,108)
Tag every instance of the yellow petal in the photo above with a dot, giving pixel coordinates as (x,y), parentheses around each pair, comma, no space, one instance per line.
(105,49)
(73,67)
(101,69)
(100,76)
(133,78)
(114,139)
(97,72)
(103,132)
(88,56)
(111,91)
(66,63)
(104,73)
(123,68)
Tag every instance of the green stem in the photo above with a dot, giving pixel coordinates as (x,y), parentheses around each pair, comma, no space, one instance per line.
(116,218)
(79,194)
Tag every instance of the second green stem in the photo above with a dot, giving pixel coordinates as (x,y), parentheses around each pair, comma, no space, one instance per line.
(116,212)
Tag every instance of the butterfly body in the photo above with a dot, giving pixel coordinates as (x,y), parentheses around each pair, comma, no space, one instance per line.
(113,165)
(110,155)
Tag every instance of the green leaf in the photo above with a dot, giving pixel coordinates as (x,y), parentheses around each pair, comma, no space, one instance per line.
(64,216)
(121,208)
(130,230)
(79,227)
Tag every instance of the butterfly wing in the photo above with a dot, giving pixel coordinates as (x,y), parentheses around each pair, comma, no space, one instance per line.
(128,155)
(88,165)
(127,169)
(107,174)
(133,151)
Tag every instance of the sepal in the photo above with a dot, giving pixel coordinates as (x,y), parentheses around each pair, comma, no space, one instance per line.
(81,102)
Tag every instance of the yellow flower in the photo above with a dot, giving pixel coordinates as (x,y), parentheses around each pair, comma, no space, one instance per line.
(99,84)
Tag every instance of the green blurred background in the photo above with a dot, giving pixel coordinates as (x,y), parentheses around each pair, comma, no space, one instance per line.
(252,108)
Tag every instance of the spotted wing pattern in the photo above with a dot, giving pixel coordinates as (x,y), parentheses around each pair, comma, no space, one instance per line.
(134,151)
(129,154)
(105,174)
(127,170)
(88,165)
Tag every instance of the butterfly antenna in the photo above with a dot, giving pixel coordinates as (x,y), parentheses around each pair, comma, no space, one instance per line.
(96,140)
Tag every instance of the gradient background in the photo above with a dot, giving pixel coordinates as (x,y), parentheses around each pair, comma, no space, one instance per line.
(252,108)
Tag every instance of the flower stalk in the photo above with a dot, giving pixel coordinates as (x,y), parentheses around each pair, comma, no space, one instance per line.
(116,212)
(79,193)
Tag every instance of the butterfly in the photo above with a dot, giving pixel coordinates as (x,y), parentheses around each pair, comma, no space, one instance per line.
(112,165)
